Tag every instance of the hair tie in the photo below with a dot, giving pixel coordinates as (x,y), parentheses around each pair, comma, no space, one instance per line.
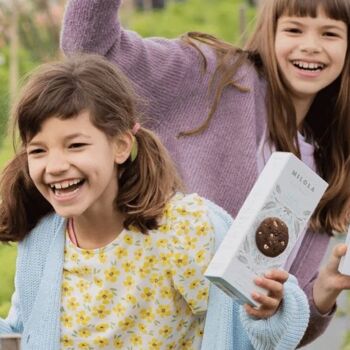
(135,147)
(135,128)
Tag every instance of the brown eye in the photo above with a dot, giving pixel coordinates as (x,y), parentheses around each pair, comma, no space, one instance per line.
(77,145)
(36,151)
(293,30)
(331,34)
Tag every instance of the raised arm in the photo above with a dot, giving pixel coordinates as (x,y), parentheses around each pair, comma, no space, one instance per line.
(158,67)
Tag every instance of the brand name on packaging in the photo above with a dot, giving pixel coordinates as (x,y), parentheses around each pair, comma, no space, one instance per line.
(303,180)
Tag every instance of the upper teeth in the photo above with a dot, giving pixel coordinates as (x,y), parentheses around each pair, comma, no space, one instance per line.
(64,184)
(307,65)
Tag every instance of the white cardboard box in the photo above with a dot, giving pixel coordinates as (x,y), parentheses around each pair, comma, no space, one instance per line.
(286,189)
(344,266)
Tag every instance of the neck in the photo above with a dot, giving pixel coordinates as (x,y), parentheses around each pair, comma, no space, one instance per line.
(97,232)
(302,106)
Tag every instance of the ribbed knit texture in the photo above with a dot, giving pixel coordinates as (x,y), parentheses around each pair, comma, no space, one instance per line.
(284,330)
(220,164)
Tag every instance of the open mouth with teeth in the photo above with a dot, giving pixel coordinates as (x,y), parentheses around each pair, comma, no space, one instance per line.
(65,187)
(311,67)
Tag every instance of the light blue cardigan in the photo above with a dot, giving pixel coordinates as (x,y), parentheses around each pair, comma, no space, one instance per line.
(35,306)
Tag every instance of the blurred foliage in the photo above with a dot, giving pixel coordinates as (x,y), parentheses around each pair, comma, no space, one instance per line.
(7,270)
(4,99)
(26,63)
(38,26)
(347,336)
(38,32)
(219,17)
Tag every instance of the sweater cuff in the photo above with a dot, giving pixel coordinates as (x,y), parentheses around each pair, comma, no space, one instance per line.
(314,312)
(318,321)
(284,330)
(4,327)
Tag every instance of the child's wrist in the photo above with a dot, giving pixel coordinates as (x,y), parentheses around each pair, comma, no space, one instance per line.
(324,296)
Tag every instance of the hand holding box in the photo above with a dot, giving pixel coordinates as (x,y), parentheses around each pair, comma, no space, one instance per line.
(267,226)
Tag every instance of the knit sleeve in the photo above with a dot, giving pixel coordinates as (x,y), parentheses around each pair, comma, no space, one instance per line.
(284,330)
(158,67)
(305,269)
(13,323)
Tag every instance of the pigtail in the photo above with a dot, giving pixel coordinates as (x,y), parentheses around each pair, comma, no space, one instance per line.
(22,206)
(146,183)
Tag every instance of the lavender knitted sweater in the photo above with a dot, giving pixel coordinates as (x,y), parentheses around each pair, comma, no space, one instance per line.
(220,163)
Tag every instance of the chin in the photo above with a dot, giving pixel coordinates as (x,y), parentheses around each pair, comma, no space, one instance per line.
(67,213)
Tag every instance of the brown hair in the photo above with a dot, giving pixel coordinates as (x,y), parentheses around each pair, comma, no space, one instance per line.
(327,122)
(64,90)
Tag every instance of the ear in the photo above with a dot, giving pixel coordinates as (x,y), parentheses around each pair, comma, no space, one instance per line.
(122,145)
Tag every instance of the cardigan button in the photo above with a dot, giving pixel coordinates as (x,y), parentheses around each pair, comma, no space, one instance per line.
(28,337)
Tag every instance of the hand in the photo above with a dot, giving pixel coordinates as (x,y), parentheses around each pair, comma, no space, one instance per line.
(273,282)
(330,282)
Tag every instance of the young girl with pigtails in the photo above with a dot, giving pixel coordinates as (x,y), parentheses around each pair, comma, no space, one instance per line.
(221,111)
(111,252)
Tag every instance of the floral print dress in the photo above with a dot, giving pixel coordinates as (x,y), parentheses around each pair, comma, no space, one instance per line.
(141,291)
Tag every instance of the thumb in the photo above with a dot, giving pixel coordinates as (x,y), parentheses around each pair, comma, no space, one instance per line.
(337,253)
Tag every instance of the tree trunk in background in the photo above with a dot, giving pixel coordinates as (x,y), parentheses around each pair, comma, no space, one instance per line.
(149,4)
(158,4)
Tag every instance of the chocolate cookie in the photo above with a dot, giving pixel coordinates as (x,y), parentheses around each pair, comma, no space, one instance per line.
(272,237)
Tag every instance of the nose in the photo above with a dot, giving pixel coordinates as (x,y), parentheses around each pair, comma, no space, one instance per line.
(57,163)
(311,44)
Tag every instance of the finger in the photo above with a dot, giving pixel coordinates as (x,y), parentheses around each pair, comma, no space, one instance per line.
(340,250)
(258,313)
(252,311)
(274,288)
(266,302)
(277,275)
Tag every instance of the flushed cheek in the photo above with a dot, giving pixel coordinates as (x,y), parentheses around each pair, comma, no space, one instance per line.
(34,175)
(282,55)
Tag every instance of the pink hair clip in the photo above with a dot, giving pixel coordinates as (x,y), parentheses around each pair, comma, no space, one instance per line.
(135,128)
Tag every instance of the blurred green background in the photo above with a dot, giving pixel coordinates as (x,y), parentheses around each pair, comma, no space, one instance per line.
(29,35)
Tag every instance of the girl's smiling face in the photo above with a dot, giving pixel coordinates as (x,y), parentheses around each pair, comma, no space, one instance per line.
(73,165)
(310,52)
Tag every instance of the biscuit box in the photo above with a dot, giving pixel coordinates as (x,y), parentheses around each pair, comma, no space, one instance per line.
(344,266)
(267,226)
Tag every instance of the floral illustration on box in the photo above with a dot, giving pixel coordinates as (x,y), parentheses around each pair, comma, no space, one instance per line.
(250,255)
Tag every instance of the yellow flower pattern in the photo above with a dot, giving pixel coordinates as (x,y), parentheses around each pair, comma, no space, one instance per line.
(141,291)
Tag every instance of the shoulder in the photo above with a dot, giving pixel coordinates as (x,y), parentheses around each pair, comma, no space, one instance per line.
(220,219)
(198,212)
(186,214)
(181,202)
(192,207)
(248,76)
(41,235)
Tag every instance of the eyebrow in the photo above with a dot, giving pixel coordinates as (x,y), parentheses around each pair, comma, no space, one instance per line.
(67,138)
(300,23)
(334,27)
